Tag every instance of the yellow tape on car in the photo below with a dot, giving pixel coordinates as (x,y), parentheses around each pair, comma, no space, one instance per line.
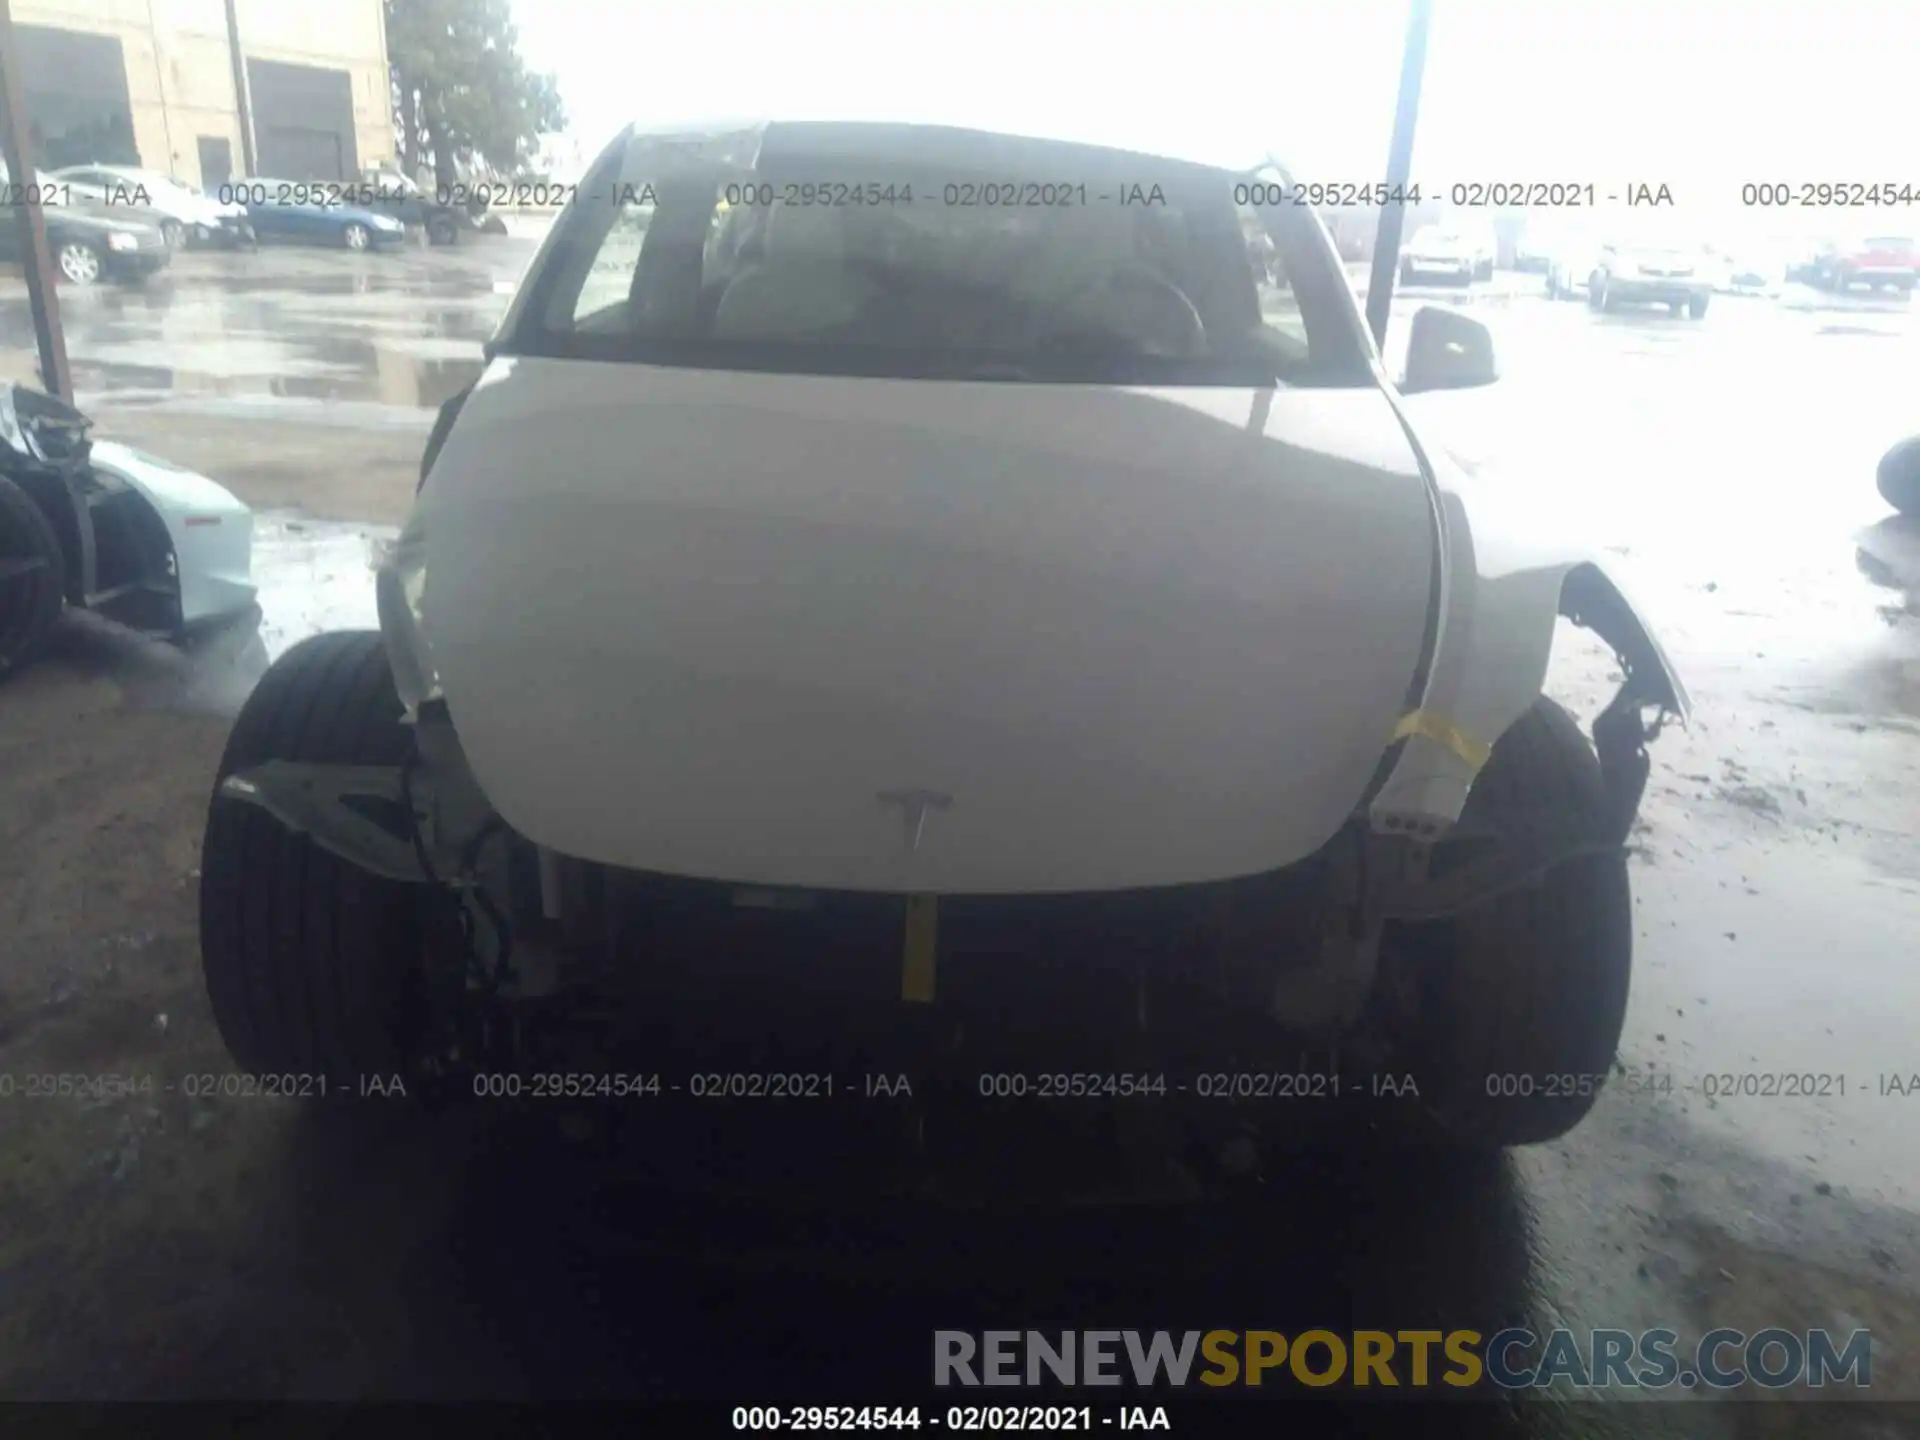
(1429,726)
(921,942)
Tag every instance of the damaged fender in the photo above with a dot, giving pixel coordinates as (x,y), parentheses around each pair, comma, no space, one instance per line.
(1502,593)
(210,530)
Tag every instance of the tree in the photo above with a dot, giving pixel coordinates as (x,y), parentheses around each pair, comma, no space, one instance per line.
(461,92)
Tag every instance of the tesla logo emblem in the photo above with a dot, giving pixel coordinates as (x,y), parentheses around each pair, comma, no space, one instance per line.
(914,806)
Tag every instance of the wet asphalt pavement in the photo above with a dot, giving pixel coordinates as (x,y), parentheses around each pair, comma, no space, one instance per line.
(1725,467)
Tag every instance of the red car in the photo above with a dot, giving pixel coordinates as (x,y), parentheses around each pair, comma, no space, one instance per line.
(1879,261)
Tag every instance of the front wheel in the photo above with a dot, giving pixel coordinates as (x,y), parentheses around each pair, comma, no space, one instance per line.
(313,966)
(1598,295)
(1517,1007)
(442,231)
(174,233)
(80,262)
(1696,307)
(356,237)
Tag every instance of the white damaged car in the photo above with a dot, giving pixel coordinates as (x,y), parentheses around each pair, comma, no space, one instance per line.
(915,593)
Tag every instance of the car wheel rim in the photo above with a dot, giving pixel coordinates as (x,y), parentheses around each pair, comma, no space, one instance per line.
(79,263)
(356,238)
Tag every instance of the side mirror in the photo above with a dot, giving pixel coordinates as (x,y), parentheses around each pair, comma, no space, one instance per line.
(1447,351)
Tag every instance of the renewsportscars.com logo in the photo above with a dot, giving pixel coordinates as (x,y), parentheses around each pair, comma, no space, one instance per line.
(1512,1359)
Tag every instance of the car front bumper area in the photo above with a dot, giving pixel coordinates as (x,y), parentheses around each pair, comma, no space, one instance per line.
(1436,267)
(1657,289)
(228,231)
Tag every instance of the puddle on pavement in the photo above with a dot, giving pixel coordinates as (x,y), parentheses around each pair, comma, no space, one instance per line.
(314,576)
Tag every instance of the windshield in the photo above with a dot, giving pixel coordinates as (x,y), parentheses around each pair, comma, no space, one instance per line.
(916,253)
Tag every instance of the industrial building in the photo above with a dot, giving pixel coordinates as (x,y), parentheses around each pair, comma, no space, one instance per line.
(207,90)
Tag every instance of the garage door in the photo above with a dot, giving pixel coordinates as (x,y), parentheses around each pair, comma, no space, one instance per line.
(303,154)
(76,94)
(303,120)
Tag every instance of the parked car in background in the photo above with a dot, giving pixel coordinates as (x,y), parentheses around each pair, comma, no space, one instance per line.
(1880,262)
(183,214)
(93,525)
(1454,253)
(388,191)
(387,180)
(89,242)
(306,211)
(1651,270)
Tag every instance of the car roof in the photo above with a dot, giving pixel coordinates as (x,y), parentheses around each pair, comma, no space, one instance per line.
(1142,141)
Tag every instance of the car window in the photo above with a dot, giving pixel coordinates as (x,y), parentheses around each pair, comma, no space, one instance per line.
(1020,262)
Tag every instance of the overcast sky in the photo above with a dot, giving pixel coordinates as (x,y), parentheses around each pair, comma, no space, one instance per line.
(1701,95)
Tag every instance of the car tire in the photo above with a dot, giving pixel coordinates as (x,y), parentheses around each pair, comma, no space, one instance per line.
(1532,985)
(442,231)
(1697,307)
(174,233)
(1898,478)
(312,965)
(356,236)
(33,579)
(1598,297)
(80,262)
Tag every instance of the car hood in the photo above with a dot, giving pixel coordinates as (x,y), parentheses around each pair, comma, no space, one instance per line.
(740,623)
